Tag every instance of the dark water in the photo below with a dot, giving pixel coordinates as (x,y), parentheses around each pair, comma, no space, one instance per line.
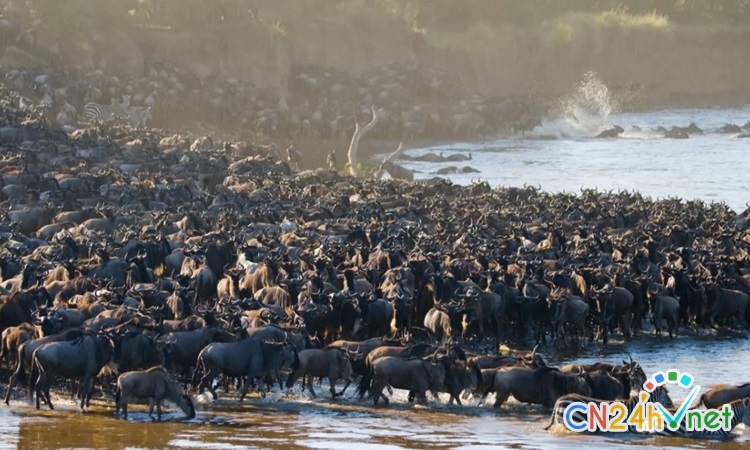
(294,420)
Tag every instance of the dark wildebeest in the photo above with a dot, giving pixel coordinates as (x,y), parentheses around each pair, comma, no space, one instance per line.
(606,385)
(541,386)
(461,376)
(138,351)
(83,358)
(615,305)
(722,394)
(331,362)
(250,358)
(415,375)
(153,384)
(664,308)
(25,354)
(184,347)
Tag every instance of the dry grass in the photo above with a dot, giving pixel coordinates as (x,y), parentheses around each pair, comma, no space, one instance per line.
(624,19)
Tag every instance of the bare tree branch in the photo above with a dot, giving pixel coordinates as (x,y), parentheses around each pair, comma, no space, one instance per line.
(390,157)
(358,133)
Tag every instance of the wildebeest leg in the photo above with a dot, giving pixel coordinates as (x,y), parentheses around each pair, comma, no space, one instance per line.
(11,382)
(43,391)
(421,397)
(248,379)
(151,404)
(310,386)
(158,410)
(376,391)
(348,382)
(33,375)
(500,398)
(125,407)
(487,391)
(86,387)
(332,383)
(206,383)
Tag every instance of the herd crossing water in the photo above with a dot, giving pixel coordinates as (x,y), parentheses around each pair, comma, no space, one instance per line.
(560,155)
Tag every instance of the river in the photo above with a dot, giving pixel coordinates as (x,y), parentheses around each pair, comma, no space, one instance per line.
(561,156)
(294,420)
(557,156)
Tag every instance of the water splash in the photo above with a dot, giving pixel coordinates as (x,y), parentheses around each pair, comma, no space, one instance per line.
(584,112)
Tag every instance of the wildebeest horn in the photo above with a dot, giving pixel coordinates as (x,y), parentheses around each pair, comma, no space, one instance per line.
(533,352)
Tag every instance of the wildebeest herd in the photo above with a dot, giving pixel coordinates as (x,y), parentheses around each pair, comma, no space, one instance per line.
(159,259)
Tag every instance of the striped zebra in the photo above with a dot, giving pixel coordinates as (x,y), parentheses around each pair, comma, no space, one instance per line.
(660,395)
(138,115)
(741,410)
(96,111)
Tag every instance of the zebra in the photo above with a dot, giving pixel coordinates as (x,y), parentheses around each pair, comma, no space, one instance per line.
(660,395)
(96,111)
(741,413)
(138,115)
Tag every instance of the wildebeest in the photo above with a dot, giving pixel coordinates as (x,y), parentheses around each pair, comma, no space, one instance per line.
(541,386)
(665,308)
(250,358)
(153,384)
(25,361)
(722,394)
(439,323)
(12,338)
(416,375)
(82,358)
(318,363)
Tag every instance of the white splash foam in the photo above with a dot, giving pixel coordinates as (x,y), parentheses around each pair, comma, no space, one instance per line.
(585,112)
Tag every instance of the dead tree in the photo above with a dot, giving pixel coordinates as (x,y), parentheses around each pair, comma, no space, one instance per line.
(359,131)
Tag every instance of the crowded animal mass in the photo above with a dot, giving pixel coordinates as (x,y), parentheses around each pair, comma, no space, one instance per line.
(134,270)
(153,275)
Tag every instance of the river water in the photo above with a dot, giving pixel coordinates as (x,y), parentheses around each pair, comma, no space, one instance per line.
(560,155)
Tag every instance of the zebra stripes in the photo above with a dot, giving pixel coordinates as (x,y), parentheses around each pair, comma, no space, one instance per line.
(741,410)
(138,115)
(660,395)
(96,111)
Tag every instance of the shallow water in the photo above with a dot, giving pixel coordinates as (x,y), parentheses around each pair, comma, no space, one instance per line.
(562,156)
(294,420)
(712,167)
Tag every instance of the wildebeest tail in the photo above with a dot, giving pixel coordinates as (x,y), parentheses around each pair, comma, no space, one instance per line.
(698,404)
(291,379)
(364,383)
(20,369)
(118,393)
(41,380)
